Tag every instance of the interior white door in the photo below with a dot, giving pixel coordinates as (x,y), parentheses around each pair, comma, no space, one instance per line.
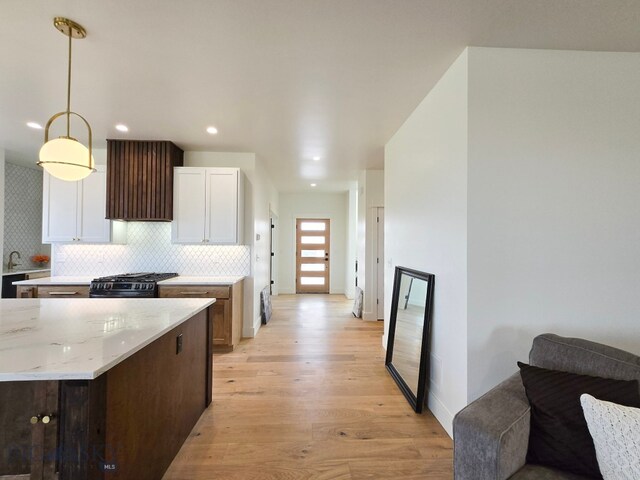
(222,206)
(380,262)
(92,225)
(59,209)
(188,224)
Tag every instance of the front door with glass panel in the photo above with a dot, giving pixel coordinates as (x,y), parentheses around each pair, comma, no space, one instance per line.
(312,255)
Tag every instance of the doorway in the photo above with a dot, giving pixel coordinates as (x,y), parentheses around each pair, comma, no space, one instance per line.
(312,255)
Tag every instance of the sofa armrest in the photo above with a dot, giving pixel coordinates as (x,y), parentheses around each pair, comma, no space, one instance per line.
(491,434)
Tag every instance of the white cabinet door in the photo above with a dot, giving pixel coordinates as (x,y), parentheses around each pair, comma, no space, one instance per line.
(75,211)
(221,202)
(59,209)
(92,202)
(188,224)
(207,206)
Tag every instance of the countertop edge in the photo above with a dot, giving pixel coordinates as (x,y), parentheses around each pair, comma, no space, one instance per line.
(92,375)
(25,272)
(73,280)
(149,341)
(177,281)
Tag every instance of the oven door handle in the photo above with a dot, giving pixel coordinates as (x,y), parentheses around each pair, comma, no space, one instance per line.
(137,295)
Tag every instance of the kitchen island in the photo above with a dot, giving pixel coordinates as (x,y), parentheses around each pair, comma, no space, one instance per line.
(100,388)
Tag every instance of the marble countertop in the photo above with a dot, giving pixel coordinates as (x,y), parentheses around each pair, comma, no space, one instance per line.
(24,270)
(57,281)
(49,339)
(200,280)
(180,280)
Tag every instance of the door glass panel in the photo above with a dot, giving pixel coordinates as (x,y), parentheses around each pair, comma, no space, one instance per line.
(312,240)
(312,267)
(312,253)
(312,226)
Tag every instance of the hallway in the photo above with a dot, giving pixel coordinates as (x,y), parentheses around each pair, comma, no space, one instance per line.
(309,398)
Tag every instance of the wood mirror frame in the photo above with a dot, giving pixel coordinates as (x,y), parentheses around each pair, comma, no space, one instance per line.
(415,394)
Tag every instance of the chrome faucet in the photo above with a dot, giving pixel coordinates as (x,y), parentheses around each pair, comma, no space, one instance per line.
(11,263)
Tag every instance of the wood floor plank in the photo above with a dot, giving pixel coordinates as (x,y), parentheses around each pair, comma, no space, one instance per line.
(309,399)
(301,358)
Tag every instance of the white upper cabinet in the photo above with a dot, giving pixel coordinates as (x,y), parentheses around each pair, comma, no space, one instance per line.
(208,206)
(75,211)
(189,205)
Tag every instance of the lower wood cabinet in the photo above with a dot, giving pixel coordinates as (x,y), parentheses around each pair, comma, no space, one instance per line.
(53,291)
(128,423)
(226,312)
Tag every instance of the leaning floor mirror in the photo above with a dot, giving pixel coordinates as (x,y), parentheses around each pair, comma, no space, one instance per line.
(409,332)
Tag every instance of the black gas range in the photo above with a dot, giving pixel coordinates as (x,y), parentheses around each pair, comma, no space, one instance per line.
(128,285)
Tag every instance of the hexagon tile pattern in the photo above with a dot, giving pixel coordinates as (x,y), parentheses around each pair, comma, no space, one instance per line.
(149,249)
(23,213)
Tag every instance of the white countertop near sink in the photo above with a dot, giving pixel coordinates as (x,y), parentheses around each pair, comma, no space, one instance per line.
(24,270)
(50,339)
(180,280)
(57,281)
(200,280)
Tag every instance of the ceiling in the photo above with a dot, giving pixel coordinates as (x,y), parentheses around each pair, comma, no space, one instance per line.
(286,79)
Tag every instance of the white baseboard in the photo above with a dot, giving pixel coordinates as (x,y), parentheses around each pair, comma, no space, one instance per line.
(441,412)
(252,331)
(370,316)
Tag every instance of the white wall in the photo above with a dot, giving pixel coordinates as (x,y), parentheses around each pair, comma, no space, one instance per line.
(352,235)
(425,198)
(1,204)
(370,196)
(516,182)
(313,205)
(554,203)
(260,198)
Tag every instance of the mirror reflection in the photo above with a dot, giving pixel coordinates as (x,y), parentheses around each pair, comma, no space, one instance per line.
(408,332)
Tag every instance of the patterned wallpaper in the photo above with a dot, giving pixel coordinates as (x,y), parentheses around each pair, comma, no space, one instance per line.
(23,213)
(149,249)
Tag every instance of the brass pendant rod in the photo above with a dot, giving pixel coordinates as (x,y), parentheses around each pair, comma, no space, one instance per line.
(69,88)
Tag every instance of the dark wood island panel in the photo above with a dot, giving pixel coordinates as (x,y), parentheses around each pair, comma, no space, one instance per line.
(127,423)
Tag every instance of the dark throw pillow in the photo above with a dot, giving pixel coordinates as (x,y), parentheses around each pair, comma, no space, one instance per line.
(559,436)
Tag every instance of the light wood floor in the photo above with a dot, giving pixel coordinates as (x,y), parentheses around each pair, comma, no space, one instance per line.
(309,398)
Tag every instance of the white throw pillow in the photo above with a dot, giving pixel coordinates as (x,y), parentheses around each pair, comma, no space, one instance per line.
(615,430)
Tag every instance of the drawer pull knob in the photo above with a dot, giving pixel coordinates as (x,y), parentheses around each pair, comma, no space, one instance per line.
(47,418)
(35,419)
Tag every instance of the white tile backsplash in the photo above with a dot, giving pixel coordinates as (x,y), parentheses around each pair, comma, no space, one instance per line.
(23,214)
(149,249)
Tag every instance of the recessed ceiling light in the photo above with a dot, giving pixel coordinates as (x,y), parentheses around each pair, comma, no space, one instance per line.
(313,185)
(316,158)
(34,125)
(212,130)
(122,128)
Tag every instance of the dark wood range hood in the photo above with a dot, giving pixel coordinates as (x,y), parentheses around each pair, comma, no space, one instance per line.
(140,179)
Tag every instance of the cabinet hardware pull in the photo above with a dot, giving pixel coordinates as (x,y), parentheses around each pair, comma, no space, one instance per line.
(63,293)
(35,419)
(47,418)
(193,293)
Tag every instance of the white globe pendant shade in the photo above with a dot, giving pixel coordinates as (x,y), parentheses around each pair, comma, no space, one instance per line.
(66,159)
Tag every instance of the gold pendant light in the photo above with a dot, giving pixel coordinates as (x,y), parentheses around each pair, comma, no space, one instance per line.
(64,157)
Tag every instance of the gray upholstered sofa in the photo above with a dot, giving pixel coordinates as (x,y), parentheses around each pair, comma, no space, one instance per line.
(491,434)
